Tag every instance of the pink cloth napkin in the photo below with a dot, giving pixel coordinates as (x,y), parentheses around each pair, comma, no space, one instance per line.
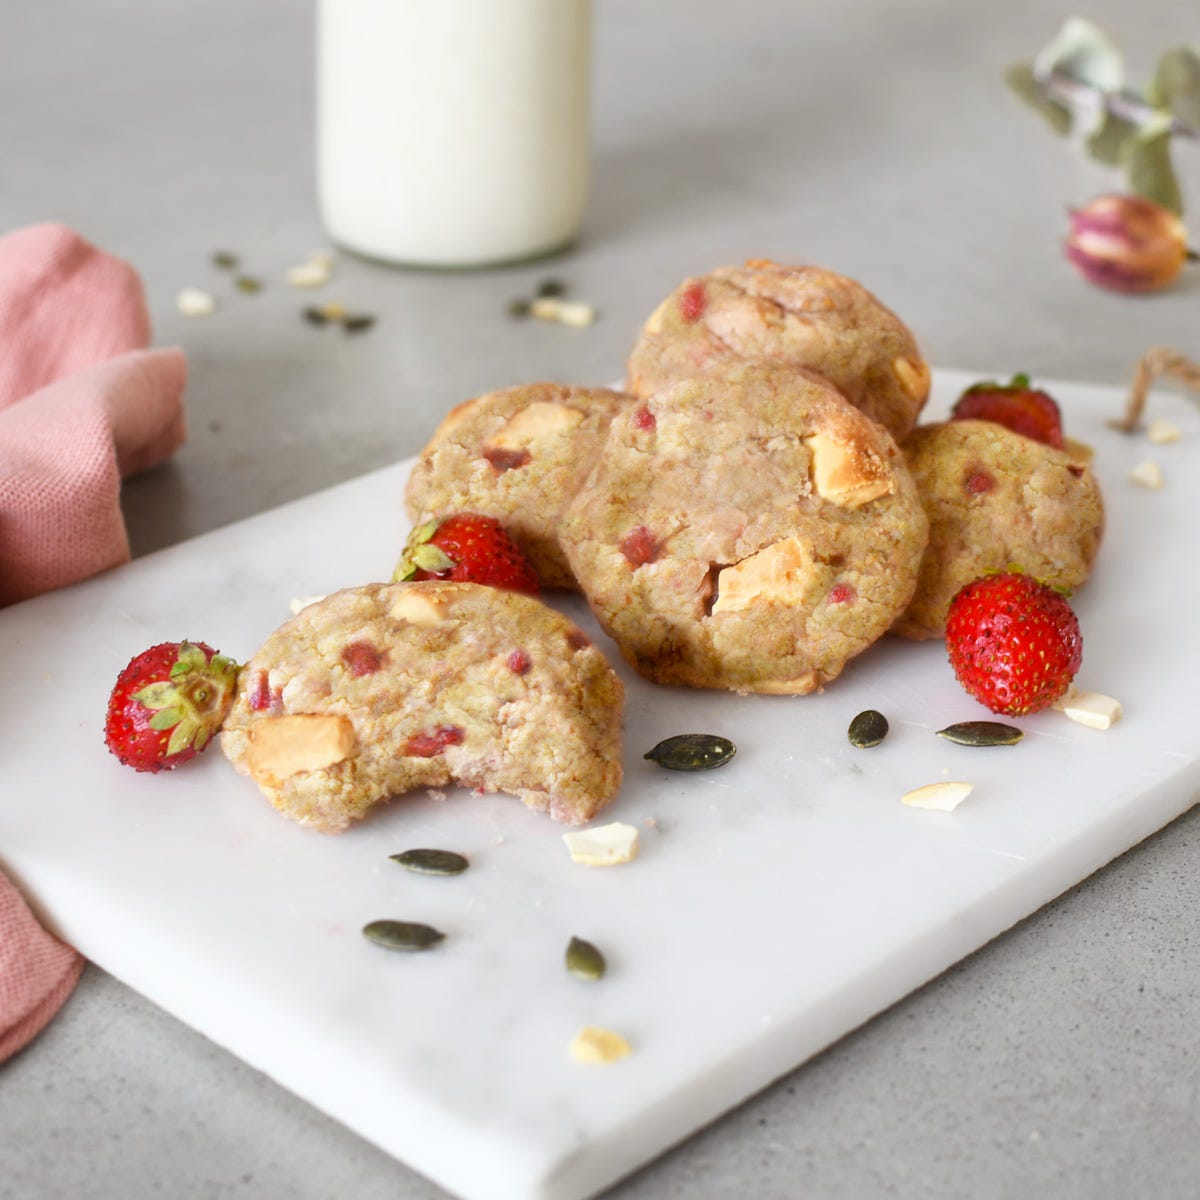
(83,404)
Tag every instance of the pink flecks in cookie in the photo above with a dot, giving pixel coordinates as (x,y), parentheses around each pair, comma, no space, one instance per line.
(640,546)
(519,662)
(692,302)
(259,695)
(504,459)
(979,483)
(361,658)
(643,419)
(841,593)
(432,742)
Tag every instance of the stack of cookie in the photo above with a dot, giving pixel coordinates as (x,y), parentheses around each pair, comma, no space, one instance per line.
(759,506)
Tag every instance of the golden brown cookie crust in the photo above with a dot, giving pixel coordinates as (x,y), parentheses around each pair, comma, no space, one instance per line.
(378,690)
(519,455)
(804,316)
(996,499)
(746,529)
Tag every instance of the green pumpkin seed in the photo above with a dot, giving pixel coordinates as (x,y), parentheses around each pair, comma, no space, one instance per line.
(584,960)
(402,935)
(868,729)
(359,323)
(982,733)
(432,862)
(692,752)
(248,284)
(224,259)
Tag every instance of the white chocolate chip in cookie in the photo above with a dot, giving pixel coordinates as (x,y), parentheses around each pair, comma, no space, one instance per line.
(777,574)
(846,474)
(536,421)
(421,608)
(279,747)
(914,376)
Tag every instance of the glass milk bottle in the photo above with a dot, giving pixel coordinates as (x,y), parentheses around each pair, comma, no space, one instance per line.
(453,133)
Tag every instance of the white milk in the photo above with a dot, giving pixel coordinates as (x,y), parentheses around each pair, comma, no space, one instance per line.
(453,132)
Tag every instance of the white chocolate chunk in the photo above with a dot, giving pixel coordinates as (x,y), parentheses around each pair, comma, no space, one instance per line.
(775,575)
(942,797)
(535,421)
(1092,709)
(913,375)
(1148,475)
(595,1045)
(420,608)
(314,273)
(846,474)
(300,602)
(565,312)
(192,302)
(604,845)
(655,322)
(279,747)
(1161,432)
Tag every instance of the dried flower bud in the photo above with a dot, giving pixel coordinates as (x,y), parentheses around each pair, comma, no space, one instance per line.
(1126,243)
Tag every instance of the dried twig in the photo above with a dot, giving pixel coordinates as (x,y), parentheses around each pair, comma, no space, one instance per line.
(1158,361)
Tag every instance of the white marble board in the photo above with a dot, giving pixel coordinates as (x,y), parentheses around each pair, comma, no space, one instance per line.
(777,903)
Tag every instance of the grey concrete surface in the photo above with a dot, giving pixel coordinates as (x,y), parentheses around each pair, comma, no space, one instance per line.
(872,137)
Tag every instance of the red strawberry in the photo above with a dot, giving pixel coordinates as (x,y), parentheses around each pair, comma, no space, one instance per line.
(1014,405)
(469,548)
(1014,642)
(167,703)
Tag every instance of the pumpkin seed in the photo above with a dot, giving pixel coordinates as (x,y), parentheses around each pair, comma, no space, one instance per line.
(432,862)
(519,308)
(584,960)
(359,323)
(316,316)
(552,287)
(248,284)
(982,733)
(224,259)
(868,729)
(692,752)
(402,935)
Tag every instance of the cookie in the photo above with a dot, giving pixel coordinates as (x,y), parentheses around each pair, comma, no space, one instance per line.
(804,316)
(518,455)
(746,529)
(996,499)
(378,690)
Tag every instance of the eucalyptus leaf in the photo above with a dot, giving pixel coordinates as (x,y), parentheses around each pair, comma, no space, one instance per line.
(1083,52)
(1176,85)
(1147,162)
(1107,144)
(1020,79)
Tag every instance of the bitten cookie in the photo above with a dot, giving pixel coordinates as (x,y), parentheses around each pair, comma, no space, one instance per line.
(996,499)
(747,529)
(803,316)
(518,455)
(377,690)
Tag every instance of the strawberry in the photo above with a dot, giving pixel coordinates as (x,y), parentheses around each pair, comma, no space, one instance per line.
(1014,405)
(469,548)
(1013,641)
(167,703)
